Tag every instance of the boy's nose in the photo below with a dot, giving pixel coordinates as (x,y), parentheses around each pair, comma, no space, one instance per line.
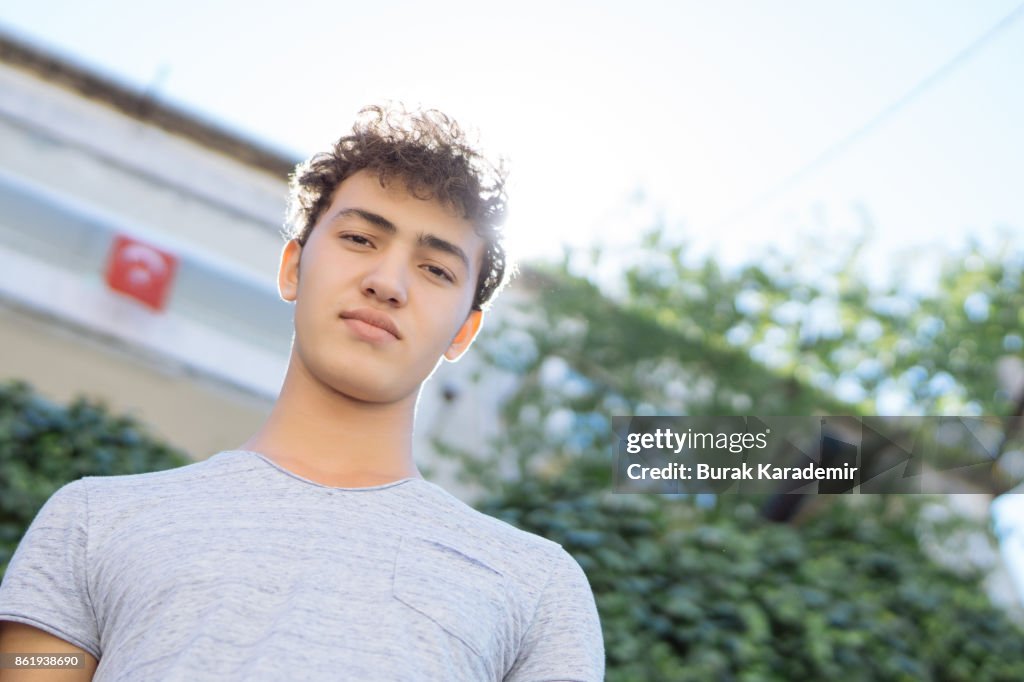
(387,282)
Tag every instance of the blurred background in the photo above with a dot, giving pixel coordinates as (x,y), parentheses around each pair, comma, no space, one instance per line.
(718,208)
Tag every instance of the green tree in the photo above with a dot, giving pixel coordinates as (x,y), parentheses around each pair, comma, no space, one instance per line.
(706,588)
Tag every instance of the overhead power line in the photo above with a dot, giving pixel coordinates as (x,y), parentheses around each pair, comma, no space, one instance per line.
(841,145)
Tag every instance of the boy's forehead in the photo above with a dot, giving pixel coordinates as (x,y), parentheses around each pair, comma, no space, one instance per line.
(395,193)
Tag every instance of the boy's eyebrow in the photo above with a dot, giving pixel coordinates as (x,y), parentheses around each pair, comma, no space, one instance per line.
(370,217)
(428,240)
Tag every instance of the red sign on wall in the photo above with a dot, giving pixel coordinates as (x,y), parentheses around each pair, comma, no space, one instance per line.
(142,271)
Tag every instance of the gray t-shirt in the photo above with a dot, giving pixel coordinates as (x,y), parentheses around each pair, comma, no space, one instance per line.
(234,568)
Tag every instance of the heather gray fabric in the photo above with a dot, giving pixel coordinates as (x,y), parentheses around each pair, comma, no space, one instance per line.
(236,569)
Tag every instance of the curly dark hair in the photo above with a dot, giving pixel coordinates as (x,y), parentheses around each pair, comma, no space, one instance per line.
(429,153)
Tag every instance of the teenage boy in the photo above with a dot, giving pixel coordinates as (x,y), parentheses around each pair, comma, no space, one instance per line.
(315,550)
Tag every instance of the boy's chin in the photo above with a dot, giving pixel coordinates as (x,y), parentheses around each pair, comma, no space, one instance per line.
(371,392)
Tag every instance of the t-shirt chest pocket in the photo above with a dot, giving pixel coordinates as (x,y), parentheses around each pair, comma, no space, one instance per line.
(461,594)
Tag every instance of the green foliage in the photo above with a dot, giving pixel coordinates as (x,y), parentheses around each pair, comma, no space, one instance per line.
(687,593)
(43,446)
(704,588)
(936,348)
(690,339)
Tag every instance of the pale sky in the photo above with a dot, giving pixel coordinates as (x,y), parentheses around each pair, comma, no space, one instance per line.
(705,106)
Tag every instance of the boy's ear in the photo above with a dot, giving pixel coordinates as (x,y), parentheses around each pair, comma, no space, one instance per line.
(288,272)
(467,332)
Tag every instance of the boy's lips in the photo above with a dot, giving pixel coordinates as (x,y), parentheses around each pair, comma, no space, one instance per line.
(368,321)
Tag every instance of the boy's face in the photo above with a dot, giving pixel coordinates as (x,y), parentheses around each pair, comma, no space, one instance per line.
(383,288)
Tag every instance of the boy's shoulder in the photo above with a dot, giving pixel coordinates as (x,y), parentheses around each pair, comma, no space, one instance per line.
(214,466)
(125,491)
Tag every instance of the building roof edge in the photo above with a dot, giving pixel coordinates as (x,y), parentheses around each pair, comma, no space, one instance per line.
(23,55)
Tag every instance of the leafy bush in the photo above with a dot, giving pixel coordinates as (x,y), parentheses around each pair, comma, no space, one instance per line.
(718,592)
(43,446)
(692,593)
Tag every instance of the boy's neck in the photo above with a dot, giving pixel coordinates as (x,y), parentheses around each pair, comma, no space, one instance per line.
(335,440)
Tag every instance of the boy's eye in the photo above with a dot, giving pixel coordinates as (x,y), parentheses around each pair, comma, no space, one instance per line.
(439,272)
(357,239)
